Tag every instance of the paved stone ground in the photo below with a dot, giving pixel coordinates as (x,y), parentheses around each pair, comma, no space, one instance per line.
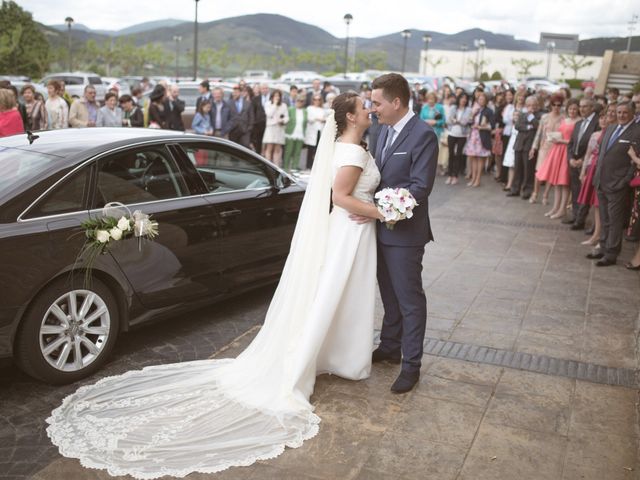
(500,276)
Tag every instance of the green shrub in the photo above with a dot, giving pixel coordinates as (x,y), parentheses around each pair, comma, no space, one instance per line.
(496,75)
(574,83)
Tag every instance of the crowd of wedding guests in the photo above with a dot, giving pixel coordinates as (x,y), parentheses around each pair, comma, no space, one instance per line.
(577,155)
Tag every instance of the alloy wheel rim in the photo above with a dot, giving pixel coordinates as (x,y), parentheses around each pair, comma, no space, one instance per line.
(74,330)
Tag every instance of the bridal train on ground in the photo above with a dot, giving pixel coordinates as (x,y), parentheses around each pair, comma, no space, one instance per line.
(206,416)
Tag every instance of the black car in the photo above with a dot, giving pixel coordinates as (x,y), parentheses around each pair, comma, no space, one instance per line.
(226,217)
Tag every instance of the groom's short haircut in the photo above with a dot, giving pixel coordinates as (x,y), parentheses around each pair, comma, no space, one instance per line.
(393,86)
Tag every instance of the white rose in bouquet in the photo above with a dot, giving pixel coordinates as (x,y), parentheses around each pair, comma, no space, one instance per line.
(124,224)
(102,236)
(115,233)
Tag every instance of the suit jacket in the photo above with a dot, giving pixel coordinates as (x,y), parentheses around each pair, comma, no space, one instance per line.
(572,152)
(241,121)
(526,131)
(202,98)
(174,109)
(614,169)
(225,117)
(411,162)
(259,117)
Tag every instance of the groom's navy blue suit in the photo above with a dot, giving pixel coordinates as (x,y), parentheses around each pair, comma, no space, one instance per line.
(409,162)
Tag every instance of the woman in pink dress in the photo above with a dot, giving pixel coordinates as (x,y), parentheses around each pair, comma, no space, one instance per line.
(555,168)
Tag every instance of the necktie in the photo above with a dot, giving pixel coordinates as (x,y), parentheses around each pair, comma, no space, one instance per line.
(614,137)
(390,134)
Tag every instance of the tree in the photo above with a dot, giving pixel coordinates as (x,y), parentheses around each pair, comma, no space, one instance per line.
(24,50)
(436,62)
(478,66)
(525,65)
(496,75)
(572,62)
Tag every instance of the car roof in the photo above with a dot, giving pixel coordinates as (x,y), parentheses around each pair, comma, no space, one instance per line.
(69,143)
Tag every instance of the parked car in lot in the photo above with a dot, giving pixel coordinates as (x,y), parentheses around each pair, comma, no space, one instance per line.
(226,217)
(75,82)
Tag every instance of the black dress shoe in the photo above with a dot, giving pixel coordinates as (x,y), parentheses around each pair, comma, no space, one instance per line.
(577,226)
(381,356)
(595,256)
(631,266)
(526,197)
(405,382)
(589,231)
(513,194)
(568,220)
(605,262)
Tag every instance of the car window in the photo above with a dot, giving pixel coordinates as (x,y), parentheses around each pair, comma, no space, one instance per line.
(95,81)
(68,196)
(138,176)
(72,80)
(223,171)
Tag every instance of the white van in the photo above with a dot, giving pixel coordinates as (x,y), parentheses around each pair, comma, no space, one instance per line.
(74,83)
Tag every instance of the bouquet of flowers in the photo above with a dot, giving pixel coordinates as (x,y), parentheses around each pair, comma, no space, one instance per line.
(395,204)
(113,226)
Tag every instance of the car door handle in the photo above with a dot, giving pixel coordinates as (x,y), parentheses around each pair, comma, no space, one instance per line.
(230,213)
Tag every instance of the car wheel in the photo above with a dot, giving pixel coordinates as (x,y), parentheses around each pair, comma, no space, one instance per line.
(68,332)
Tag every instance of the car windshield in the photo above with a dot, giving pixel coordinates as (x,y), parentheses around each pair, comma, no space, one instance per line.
(18,167)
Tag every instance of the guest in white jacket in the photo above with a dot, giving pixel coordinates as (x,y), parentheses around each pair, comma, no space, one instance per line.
(277,116)
(316,118)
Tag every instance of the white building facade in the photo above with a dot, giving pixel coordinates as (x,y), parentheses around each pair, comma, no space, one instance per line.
(458,63)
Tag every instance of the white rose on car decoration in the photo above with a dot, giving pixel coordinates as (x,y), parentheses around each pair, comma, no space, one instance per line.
(395,204)
(103,232)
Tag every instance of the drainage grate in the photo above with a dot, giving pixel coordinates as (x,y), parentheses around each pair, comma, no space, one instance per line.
(588,372)
(505,223)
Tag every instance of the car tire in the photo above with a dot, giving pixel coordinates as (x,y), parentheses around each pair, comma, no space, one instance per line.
(57,346)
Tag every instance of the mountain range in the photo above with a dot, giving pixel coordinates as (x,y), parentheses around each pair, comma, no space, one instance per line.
(260,33)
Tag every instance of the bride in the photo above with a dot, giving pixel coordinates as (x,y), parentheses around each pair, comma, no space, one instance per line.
(209,415)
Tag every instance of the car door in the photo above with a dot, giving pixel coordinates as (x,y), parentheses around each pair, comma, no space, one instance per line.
(257,217)
(183,263)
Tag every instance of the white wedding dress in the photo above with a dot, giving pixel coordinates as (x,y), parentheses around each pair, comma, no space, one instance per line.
(208,415)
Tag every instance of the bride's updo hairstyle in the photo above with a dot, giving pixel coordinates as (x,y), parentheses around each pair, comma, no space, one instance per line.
(343,104)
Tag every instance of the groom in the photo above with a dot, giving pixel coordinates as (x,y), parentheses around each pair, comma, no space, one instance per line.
(406,155)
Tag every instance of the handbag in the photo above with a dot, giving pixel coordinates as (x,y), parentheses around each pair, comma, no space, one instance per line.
(635,181)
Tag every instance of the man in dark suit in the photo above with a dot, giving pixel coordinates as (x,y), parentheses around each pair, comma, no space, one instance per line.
(205,93)
(613,174)
(220,114)
(525,160)
(259,117)
(407,156)
(576,149)
(174,108)
(241,118)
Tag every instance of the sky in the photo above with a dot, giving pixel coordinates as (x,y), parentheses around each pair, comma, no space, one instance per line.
(523,19)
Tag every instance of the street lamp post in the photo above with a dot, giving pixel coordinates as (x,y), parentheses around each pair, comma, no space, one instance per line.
(406,34)
(426,38)
(69,22)
(348,18)
(464,51)
(177,39)
(479,44)
(550,47)
(195,45)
